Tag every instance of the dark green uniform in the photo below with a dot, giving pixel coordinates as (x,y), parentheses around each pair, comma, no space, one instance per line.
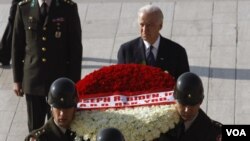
(202,129)
(43,52)
(50,132)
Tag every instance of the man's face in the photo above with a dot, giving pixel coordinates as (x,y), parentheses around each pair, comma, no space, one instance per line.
(187,112)
(150,26)
(63,117)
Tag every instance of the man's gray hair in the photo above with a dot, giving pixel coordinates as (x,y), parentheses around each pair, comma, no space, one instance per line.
(151,9)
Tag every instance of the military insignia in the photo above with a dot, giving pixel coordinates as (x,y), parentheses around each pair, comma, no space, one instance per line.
(58,34)
(69,2)
(189,96)
(23,2)
(57,3)
(219,137)
(30,20)
(33,3)
(58,20)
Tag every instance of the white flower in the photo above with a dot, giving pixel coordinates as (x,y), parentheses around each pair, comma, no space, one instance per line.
(136,124)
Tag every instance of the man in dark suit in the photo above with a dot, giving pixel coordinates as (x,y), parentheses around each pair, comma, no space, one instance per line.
(195,125)
(5,44)
(46,45)
(62,99)
(151,48)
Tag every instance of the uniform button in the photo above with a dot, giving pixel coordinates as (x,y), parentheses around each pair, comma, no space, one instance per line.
(58,24)
(58,28)
(44,28)
(44,49)
(44,60)
(29,28)
(44,38)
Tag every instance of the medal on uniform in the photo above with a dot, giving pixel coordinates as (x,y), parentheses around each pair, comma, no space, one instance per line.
(58,34)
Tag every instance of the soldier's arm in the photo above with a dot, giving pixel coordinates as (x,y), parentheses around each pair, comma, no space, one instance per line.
(18,46)
(75,43)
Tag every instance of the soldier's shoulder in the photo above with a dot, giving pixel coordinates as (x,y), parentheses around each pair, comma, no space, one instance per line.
(217,126)
(36,134)
(24,2)
(216,123)
(69,2)
(218,131)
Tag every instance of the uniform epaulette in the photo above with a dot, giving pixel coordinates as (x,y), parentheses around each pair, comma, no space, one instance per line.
(36,134)
(216,123)
(23,2)
(69,2)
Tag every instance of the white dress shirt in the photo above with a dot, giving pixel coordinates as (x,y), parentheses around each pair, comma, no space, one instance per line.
(48,2)
(155,47)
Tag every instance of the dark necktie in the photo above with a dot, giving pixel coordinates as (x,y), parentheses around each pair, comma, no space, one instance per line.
(44,13)
(150,57)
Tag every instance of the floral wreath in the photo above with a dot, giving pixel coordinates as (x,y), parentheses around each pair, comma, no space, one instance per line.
(136,99)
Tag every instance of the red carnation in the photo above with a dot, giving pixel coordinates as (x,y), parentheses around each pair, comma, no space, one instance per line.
(125,78)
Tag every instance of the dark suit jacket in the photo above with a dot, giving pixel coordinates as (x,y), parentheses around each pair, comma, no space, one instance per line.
(49,132)
(5,44)
(202,129)
(171,56)
(43,52)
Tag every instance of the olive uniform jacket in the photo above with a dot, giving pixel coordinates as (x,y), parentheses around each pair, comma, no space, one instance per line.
(43,52)
(202,129)
(49,132)
(171,56)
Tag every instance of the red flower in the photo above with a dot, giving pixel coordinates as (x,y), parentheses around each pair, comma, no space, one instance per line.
(125,78)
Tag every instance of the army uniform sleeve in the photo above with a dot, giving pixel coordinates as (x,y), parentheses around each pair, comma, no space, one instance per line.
(75,42)
(218,130)
(37,135)
(30,138)
(18,44)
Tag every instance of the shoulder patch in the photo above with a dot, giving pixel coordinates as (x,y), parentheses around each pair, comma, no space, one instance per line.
(23,2)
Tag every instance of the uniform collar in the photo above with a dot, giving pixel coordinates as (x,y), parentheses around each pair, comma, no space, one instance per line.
(48,2)
(155,44)
(190,122)
(63,130)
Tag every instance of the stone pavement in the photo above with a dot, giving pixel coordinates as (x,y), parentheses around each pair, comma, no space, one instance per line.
(215,33)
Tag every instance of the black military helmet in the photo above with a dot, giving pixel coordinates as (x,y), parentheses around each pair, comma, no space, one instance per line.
(62,93)
(109,134)
(189,89)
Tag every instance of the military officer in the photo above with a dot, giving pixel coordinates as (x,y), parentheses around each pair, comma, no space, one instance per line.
(62,99)
(46,46)
(110,134)
(195,125)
